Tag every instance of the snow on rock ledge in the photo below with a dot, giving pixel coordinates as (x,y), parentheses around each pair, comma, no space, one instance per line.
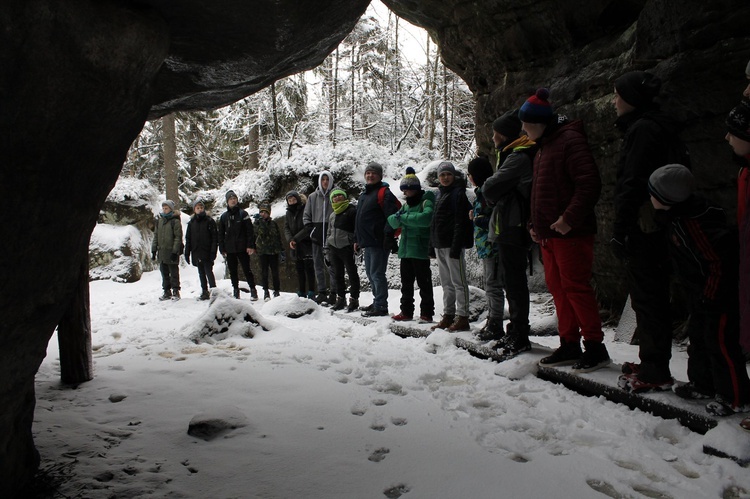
(227,317)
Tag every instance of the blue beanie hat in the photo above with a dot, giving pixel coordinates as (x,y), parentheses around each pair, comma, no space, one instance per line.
(410,180)
(537,108)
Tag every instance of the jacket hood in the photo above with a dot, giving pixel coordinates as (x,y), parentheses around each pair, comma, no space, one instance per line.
(325,173)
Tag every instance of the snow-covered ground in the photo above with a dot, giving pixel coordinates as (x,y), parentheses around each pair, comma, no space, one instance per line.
(329,408)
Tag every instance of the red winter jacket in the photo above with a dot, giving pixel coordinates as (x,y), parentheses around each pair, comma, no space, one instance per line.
(566,182)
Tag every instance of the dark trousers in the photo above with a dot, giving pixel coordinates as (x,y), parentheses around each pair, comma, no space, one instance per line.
(342,259)
(170,276)
(206,274)
(416,269)
(243,259)
(648,270)
(305,275)
(715,360)
(269,262)
(514,259)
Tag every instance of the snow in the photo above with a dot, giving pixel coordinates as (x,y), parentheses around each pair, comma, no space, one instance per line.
(321,406)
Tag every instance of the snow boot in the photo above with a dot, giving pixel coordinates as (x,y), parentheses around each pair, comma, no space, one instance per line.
(276,293)
(492,330)
(353,304)
(166,295)
(513,344)
(595,356)
(460,324)
(692,392)
(445,322)
(331,298)
(376,312)
(340,303)
(175,294)
(253,294)
(204,295)
(568,353)
(266,295)
(321,297)
(720,407)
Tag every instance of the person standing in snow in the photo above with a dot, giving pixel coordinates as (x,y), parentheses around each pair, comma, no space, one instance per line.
(451,234)
(340,249)
(237,243)
(414,218)
(317,211)
(376,203)
(268,245)
(166,248)
(300,243)
(201,243)
(564,190)
(650,140)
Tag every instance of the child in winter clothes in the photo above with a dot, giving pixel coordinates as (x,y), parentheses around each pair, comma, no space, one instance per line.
(451,233)
(202,241)
(480,170)
(300,243)
(268,245)
(340,249)
(237,243)
(414,218)
(167,246)
(704,254)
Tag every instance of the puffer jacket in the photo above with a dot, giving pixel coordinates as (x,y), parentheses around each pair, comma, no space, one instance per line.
(318,209)
(267,237)
(372,227)
(482,213)
(236,233)
(167,237)
(201,239)
(295,230)
(451,226)
(565,181)
(414,219)
(341,228)
(743,222)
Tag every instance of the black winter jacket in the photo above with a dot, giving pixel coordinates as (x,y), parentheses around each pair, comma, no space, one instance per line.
(451,226)
(371,225)
(201,239)
(295,230)
(236,232)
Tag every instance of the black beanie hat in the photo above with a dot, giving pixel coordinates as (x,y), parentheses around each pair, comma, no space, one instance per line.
(671,184)
(231,194)
(638,88)
(480,170)
(508,125)
(738,120)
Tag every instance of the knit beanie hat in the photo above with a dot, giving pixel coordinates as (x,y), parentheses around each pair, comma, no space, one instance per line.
(264,207)
(169,203)
(339,206)
(537,108)
(410,182)
(446,166)
(638,88)
(508,125)
(231,194)
(197,202)
(738,121)
(374,167)
(671,184)
(480,170)
(336,192)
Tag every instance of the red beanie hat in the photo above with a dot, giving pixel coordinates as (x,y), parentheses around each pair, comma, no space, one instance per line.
(537,108)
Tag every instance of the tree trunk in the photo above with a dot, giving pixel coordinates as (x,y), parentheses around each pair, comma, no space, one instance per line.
(74,333)
(253,142)
(431,91)
(170,158)
(445,112)
(335,97)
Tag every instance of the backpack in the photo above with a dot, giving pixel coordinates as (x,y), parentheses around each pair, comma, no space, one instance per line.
(381,202)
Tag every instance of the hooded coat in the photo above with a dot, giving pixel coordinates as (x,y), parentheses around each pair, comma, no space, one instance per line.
(167,237)
(414,219)
(318,209)
(294,227)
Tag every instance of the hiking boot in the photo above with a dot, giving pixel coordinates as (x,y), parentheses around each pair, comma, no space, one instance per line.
(631,368)
(568,353)
(425,319)
(460,324)
(266,295)
(175,295)
(631,383)
(444,323)
(367,308)
(492,330)
(513,345)
(276,293)
(253,294)
(166,295)
(402,317)
(720,407)
(353,304)
(376,312)
(340,303)
(204,295)
(692,392)
(321,297)
(595,356)
(331,298)
(236,293)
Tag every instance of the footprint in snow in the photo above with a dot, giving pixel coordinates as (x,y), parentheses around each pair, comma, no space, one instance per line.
(396,491)
(399,421)
(378,455)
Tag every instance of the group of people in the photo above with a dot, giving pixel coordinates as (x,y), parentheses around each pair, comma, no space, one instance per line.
(541,187)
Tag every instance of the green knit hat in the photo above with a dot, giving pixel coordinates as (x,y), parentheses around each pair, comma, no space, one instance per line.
(336,192)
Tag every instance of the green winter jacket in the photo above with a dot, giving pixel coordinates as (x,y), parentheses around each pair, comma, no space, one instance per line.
(168,238)
(267,237)
(414,219)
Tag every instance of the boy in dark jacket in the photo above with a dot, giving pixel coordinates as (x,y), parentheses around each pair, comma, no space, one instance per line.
(167,246)
(704,254)
(268,245)
(201,243)
(237,243)
(451,233)
(300,244)
(340,249)
(414,219)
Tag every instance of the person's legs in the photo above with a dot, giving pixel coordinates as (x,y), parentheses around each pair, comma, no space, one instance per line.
(449,292)
(567,325)
(165,284)
(493,287)
(351,269)
(174,277)
(202,276)
(320,268)
(727,363)
(244,260)
(208,266)
(232,263)
(379,283)
(513,258)
(424,281)
(274,261)
(457,269)
(265,263)
(408,275)
(337,264)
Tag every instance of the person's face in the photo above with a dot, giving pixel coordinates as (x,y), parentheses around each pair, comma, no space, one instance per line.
(199,209)
(165,209)
(445,178)
(533,130)
(371,177)
(232,202)
(498,138)
(658,205)
(324,181)
(621,107)
(291,200)
(739,146)
(410,193)
(264,214)
(338,198)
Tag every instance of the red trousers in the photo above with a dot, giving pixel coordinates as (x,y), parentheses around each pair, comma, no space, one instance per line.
(567,270)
